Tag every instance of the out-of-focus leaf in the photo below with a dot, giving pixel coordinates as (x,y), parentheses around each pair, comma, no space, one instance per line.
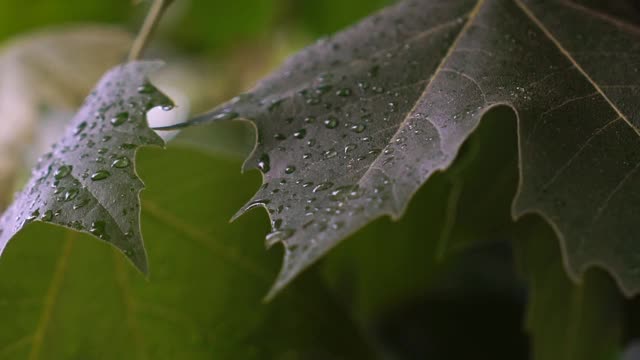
(567,321)
(75,299)
(328,16)
(17,17)
(351,127)
(214,24)
(42,75)
(88,181)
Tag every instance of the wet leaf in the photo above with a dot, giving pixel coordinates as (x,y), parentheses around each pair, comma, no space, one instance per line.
(75,299)
(351,127)
(43,76)
(88,181)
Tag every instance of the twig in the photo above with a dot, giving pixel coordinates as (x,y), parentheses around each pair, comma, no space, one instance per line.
(150,22)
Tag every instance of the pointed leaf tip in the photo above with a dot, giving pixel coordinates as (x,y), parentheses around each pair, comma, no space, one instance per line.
(87,182)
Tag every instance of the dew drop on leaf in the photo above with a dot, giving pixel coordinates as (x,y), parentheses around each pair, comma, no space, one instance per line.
(80,204)
(100,175)
(121,162)
(98,228)
(62,172)
(264,163)
(80,128)
(34,215)
(146,89)
(300,134)
(70,194)
(358,128)
(323,186)
(119,119)
(344,92)
(278,236)
(331,123)
(47,216)
(225,116)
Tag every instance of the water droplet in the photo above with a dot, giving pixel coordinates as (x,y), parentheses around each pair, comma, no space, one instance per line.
(275,104)
(358,128)
(47,216)
(98,228)
(119,119)
(331,122)
(146,89)
(70,194)
(349,148)
(338,225)
(100,175)
(230,115)
(62,172)
(34,215)
(300,134)
(278,236)
(264,163)
(328,154)
(313,101)
(80,204)
(322,89)
(323,186)
(290,169)
(80,128)
(121,162)
(344,92)
(373,72)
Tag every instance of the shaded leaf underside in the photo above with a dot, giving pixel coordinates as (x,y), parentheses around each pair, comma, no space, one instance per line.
(351,127)
(88,181)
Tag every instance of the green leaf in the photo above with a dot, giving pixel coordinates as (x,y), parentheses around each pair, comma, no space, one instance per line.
(18,16)
(566,320)
(75,299)
(196,29)
(88,181)
(351,127)
(322,17)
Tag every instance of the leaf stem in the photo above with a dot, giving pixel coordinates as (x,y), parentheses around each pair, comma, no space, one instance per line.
(150,22)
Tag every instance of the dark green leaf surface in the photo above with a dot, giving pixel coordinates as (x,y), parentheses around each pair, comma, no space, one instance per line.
(88,181)
(75,299)
(352,126)
(567,321)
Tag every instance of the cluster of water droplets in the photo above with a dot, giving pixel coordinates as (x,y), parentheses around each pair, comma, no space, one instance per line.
(316,146)
(87,182)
